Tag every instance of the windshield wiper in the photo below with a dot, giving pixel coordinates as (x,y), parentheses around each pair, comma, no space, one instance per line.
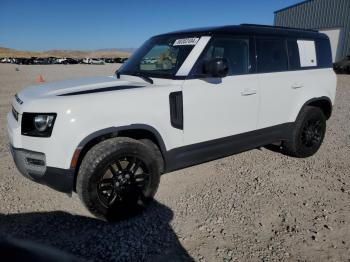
(146,78)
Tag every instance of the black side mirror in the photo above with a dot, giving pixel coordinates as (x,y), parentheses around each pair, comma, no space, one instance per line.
(216,67)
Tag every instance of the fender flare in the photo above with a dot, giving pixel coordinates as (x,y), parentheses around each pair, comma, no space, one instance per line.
(116,130)
(315,99)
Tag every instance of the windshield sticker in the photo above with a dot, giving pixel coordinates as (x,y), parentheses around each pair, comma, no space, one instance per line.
(186,41)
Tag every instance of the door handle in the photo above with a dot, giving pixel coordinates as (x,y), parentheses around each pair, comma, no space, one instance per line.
(248,92)
(296,86)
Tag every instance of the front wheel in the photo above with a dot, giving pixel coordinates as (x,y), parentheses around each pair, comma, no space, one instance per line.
(118,178)
(308,133)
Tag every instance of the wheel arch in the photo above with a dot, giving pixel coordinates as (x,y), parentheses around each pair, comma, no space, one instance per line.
(324,103)
(136,131)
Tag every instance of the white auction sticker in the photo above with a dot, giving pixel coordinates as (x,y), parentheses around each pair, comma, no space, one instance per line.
(186,41)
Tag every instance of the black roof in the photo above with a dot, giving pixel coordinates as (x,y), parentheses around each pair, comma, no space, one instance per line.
(250,29)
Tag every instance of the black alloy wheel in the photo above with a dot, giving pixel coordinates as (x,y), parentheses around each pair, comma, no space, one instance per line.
(119,177)
(307,134)
(312,133)
(122,179)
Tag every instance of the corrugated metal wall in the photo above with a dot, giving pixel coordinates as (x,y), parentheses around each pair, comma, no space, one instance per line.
(320,14)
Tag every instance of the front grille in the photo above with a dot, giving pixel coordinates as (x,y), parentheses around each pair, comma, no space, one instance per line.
(14,113)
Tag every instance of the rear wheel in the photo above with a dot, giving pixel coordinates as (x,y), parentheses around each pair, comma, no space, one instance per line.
(308,133)
(118,178)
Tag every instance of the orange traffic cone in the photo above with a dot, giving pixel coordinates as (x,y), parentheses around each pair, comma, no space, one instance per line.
(40,79)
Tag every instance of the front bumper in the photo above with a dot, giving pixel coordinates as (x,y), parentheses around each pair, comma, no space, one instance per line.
(33,166)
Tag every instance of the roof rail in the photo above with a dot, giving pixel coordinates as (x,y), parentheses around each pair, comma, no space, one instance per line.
(280,27)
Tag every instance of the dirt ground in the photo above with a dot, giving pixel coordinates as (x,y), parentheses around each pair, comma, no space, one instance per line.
(254,206)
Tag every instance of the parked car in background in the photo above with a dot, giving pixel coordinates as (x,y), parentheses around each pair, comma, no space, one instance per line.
(25,60)
(117,60)
(52,60)
(86,60)
(150,60)
(42,61)
(6,60)
(109,60)
(121,60)
(70,61)
(79,60)
(343,66)
(60,60)
(96,61)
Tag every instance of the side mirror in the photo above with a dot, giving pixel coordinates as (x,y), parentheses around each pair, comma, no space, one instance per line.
(217,67)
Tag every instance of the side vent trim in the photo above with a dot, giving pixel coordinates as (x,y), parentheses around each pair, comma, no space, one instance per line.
(176,110)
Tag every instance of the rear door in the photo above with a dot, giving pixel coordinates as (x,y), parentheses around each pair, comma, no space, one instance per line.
(221,107)
(285,77)
(279,88)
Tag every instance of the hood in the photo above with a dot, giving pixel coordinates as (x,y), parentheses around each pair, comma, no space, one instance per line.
(77,86)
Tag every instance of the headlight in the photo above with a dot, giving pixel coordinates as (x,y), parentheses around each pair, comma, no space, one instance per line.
(38,124)
(43,122)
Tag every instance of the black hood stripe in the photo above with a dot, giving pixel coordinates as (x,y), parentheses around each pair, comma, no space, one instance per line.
(99,90)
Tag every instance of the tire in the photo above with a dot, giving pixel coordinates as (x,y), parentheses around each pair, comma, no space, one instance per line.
(159,158)
(308,133)
(118,178)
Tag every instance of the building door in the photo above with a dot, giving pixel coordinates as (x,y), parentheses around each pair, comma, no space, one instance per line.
(333,35)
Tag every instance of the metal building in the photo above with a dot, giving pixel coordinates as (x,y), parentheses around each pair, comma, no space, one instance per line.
(331,17)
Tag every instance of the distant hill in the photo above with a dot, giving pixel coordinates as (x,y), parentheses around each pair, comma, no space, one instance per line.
(9,52)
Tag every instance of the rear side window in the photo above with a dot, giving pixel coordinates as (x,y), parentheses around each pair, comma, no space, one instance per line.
(272,55)
(318,56)
(307,51)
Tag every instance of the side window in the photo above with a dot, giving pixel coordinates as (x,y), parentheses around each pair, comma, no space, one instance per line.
(303,54)
(235,50)
(307,51)
(272,55)
(293,55)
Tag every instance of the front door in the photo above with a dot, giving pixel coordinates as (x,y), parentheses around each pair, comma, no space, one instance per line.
(221,107)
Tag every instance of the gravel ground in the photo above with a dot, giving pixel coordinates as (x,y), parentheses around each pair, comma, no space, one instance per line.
(254,206)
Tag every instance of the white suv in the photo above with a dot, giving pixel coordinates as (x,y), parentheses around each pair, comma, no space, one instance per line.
(210,93)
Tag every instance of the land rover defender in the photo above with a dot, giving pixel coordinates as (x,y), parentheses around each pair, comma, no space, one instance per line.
(183,98)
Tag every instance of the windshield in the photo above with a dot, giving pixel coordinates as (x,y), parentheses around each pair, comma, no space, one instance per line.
(159,57)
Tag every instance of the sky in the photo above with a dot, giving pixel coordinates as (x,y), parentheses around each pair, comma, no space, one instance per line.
(40,25)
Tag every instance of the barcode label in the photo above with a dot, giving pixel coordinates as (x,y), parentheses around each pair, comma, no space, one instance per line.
(186,41)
